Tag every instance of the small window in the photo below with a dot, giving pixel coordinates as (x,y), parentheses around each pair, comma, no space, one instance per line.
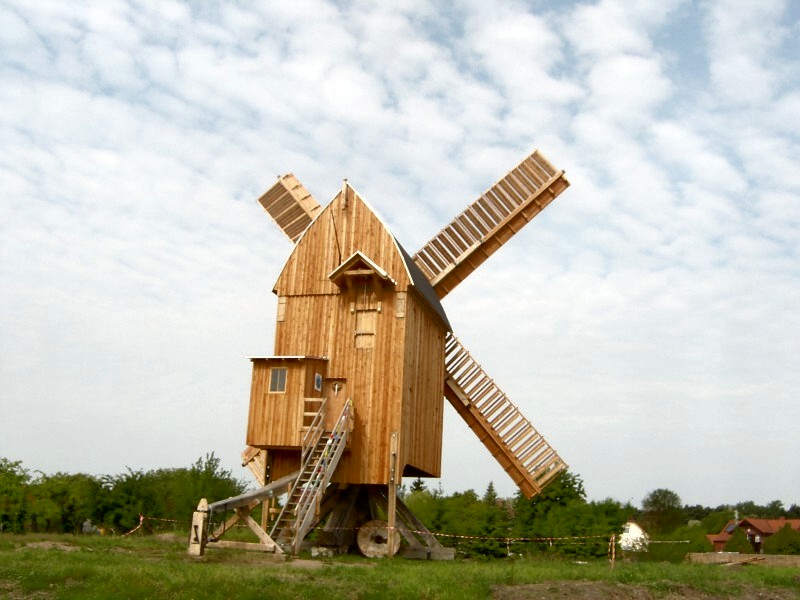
(317,382)
(277,380)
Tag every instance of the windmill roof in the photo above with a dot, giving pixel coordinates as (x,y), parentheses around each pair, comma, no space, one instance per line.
(424,286)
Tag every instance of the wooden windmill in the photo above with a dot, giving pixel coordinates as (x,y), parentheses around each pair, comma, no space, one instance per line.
(352,399)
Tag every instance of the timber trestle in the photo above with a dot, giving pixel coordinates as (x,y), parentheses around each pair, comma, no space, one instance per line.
(320,456)
(353,515)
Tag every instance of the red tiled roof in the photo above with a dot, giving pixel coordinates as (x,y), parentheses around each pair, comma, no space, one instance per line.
(764,527)
(769,526)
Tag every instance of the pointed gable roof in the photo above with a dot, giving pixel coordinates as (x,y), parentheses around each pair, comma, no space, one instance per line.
(360,265)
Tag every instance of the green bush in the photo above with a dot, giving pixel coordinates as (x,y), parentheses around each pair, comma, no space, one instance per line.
(738,542)
(785,541)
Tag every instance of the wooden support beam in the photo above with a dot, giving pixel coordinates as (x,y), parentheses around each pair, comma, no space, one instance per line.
(197,534)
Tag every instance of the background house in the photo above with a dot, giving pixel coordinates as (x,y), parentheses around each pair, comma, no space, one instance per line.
(633,537)
(757,530)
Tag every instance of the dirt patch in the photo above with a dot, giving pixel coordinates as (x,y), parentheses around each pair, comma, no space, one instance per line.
(601,590)
(63,546)
(13,591)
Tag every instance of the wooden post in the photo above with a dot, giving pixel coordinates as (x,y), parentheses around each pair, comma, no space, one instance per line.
(197,535)
(613,549)
(392,504)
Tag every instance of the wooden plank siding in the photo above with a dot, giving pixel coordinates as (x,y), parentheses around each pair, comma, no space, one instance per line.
(276,418)
(393,376)
(421,436)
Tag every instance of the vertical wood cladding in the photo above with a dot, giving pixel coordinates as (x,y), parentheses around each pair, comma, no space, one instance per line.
(383,352)
(276,418)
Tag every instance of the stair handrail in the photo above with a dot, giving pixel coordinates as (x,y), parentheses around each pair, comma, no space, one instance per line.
(322,473)
(314,433)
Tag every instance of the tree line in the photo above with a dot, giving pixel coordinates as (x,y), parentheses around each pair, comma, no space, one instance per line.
(63,502)
(559,521)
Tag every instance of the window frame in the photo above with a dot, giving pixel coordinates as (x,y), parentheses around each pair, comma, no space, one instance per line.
(277,379)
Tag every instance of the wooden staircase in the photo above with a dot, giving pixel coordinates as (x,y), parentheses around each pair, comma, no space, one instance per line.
(522,452)
(320,456)
(489,222)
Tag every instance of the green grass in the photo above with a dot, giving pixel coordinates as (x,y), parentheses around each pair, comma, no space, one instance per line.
(90,567)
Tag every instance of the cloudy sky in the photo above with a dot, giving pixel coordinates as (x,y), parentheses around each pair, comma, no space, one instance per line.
(646,322)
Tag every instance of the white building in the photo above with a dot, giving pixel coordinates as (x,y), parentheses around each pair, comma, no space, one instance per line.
(633,538)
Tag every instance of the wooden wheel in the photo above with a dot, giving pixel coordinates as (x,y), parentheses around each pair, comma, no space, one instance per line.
(373,539)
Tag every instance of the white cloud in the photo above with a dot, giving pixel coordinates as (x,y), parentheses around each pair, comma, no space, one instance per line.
(741,59)
(651,307)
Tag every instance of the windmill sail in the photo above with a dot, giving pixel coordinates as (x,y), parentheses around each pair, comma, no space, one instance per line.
(521,450)
(290,205)
(489,222)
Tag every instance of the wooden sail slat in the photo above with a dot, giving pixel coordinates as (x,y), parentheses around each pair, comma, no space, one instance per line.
(537,177)
(532,451)
(524,442)
(548,475)
(436,257)
(290,205)
(500,418)
(474,376)
(511,193)
(553,460)
(541,460)
(516,432)
(472,215)
(510,200)
(443,250)
(518,438)
(500,203)
(470,232)
(453,246)
(521,446)
(485,216)
(493,418)
(490,221)
(533,463)
(483,390)
(463,232)
(542,167)
(498,423)
(489,408)
(519,185)
(532,174)
(479,396)
(460,241)
(456,365)
(492,215)
(501,427)
(504,206)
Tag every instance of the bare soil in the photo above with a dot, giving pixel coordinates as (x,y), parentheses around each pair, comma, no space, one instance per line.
(601,590)
(48,545)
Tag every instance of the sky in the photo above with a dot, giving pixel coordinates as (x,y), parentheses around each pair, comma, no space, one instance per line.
(646,322)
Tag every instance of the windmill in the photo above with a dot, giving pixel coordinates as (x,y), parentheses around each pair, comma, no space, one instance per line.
(352,399)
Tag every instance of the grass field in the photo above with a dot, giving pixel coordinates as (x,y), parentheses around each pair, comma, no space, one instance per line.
(87,567)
